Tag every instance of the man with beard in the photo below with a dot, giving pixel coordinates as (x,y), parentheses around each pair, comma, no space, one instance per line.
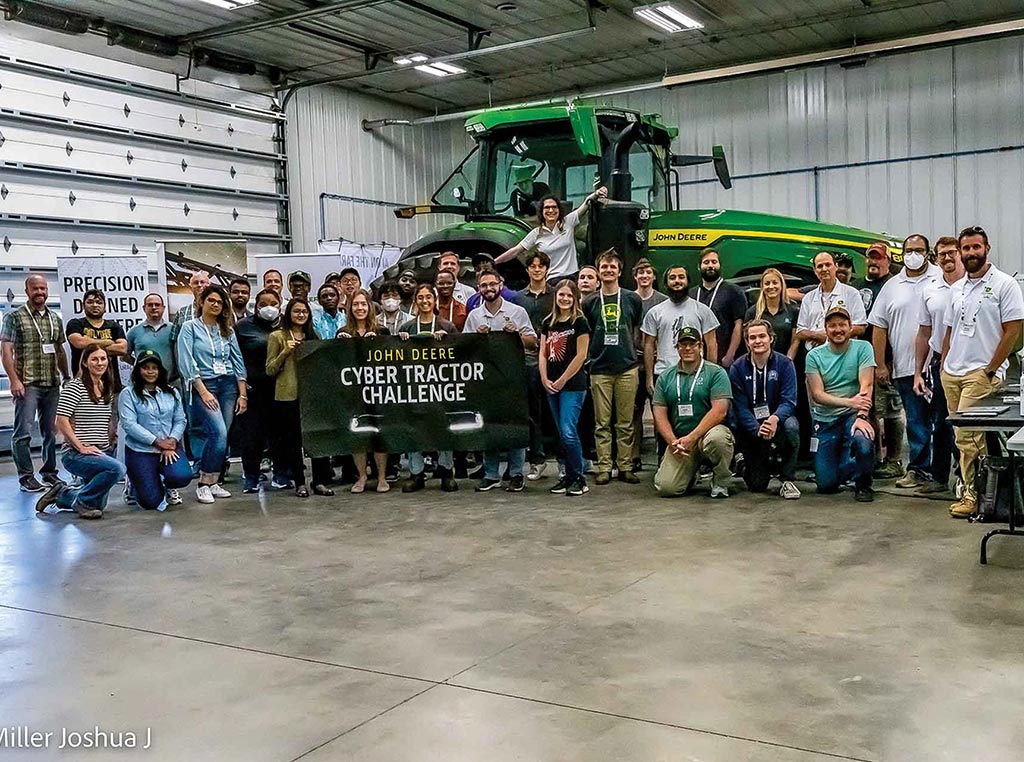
(927,382)
(407,286)
(94,328)
(328,320)
(727,301)
(894,323)
(983,323)
(238,292)
(449,262)
(840,374)
(299,284)
(663,322)
(499,314)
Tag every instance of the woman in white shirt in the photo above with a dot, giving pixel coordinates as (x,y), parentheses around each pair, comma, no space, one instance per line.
(555,236)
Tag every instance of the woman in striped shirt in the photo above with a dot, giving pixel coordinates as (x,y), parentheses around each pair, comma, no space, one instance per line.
(85,418)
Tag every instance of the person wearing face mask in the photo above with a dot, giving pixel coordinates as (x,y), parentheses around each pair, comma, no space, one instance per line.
(257,424)
(448,307)
(587,280)
(555,235)
(894,320)
(727,301)
(392,316)
(329,319)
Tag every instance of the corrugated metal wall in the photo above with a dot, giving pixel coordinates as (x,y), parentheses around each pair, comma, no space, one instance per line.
(329,152)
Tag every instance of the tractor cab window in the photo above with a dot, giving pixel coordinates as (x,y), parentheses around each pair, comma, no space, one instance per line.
(519,183)
(646,165)
(460,187)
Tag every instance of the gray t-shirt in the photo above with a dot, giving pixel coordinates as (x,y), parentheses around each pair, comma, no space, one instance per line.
(665,320)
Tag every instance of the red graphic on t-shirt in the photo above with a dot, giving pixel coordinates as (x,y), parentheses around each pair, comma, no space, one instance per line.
(558,344)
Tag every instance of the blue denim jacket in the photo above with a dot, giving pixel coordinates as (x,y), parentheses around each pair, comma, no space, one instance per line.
(151,418)
(198,348)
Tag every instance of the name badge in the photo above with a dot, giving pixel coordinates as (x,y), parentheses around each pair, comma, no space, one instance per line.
(49,349)
(685,411)
(611,339)
(761,412)
(220,368)
(967,329)
(814,444)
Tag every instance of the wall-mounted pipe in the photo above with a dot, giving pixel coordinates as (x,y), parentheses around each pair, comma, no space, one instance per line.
(350,199)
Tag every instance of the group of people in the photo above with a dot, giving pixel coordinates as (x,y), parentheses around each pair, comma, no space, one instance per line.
(841,371)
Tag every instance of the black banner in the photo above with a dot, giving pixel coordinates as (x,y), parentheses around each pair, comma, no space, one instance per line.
(465,392)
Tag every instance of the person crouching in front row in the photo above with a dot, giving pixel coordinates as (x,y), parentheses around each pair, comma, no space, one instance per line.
(691,404)
(764,404)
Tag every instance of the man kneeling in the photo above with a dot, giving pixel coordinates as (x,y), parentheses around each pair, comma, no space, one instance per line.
(840,376)
(764,402)
(691,402)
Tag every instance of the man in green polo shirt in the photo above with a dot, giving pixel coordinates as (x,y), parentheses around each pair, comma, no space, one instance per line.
(691,404)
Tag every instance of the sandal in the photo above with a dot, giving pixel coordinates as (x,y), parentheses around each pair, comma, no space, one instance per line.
(301,491)
(383,486)
(358,487)
(319,489)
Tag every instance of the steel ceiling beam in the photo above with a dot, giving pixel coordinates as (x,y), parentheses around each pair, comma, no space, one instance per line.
(272,22)
(476,33)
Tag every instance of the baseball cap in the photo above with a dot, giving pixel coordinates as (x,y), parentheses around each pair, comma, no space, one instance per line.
(877,251)
(688,333)
(840,311)
(642,264)
(148,355)
(300,275)
(350,271)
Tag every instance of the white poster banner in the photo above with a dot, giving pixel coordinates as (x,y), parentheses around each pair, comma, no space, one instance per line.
(124,282)
(370,260)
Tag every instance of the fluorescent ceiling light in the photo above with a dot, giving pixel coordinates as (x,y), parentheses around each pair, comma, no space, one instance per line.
(440,69)
(230,5)
(666,17)
(411,58)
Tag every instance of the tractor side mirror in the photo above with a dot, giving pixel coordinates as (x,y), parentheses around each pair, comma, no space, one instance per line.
(717,158)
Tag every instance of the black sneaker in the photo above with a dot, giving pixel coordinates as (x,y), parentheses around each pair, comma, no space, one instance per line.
(864,495)
(50,479)
(448,483)
(486,485)
(516,484)
(579,487)
(414,484)
(560,487)
(477,474)
(30,484)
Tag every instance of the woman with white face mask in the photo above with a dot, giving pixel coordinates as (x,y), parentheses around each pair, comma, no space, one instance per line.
(392,316)
(256,424)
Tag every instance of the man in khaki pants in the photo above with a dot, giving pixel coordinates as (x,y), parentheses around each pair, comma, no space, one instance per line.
(614,315)
(983,322)
(691,403)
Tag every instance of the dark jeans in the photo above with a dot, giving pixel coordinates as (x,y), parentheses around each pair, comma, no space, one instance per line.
(535,394)
(214,424)
(759,454)
(565,407)
(38,401)
(288,424)
(920,414)
(842,455)
(151,477)
(256,426)
(944,452)
(99,474)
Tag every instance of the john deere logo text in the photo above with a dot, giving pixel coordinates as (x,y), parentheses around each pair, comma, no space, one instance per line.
(679,236)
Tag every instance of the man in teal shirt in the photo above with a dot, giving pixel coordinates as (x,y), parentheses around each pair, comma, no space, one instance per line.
(691,404)
(840,377)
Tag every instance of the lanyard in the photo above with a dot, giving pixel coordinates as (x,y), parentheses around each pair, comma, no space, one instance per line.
(714,293)
(693,383)
(963,305)
(451,311)
(49,326)
(764,383)
(213,347)
(831,298)
(618,310)
(394,327)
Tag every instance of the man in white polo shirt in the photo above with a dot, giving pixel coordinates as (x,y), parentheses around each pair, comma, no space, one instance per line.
(894,317)
(983,322)
(830,293)
(928,368)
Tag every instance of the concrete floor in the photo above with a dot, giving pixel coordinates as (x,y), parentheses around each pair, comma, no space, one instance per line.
(497,627)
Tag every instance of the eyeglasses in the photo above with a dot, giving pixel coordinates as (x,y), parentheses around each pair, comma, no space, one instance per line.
(550,208)
(947,253)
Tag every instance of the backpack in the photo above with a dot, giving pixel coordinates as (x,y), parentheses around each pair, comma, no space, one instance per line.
(993,484)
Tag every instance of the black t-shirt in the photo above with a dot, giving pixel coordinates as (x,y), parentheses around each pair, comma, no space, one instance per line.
(252,333)
(537,306)
(729,305)
(561,351)
(783,321)
(868,293)
(622,315)
(108,331)
(415,328)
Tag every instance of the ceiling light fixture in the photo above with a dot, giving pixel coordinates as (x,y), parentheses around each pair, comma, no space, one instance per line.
(230,5)
(411,58)
(666,17)
(440,69)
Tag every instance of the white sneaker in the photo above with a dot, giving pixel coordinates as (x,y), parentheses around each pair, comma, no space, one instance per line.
(218,491)
(203,494)
(536,472)
(789,491)
(173,497)
(717,491)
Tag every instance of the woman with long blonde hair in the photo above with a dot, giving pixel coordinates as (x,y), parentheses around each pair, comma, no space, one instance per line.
(775,306)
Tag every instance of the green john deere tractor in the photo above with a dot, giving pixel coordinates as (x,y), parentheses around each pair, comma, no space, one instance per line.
(523,153)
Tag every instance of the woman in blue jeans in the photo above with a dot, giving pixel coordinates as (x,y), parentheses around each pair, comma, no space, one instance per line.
(564,346)
(153,419)
(85,418)
(213,374)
